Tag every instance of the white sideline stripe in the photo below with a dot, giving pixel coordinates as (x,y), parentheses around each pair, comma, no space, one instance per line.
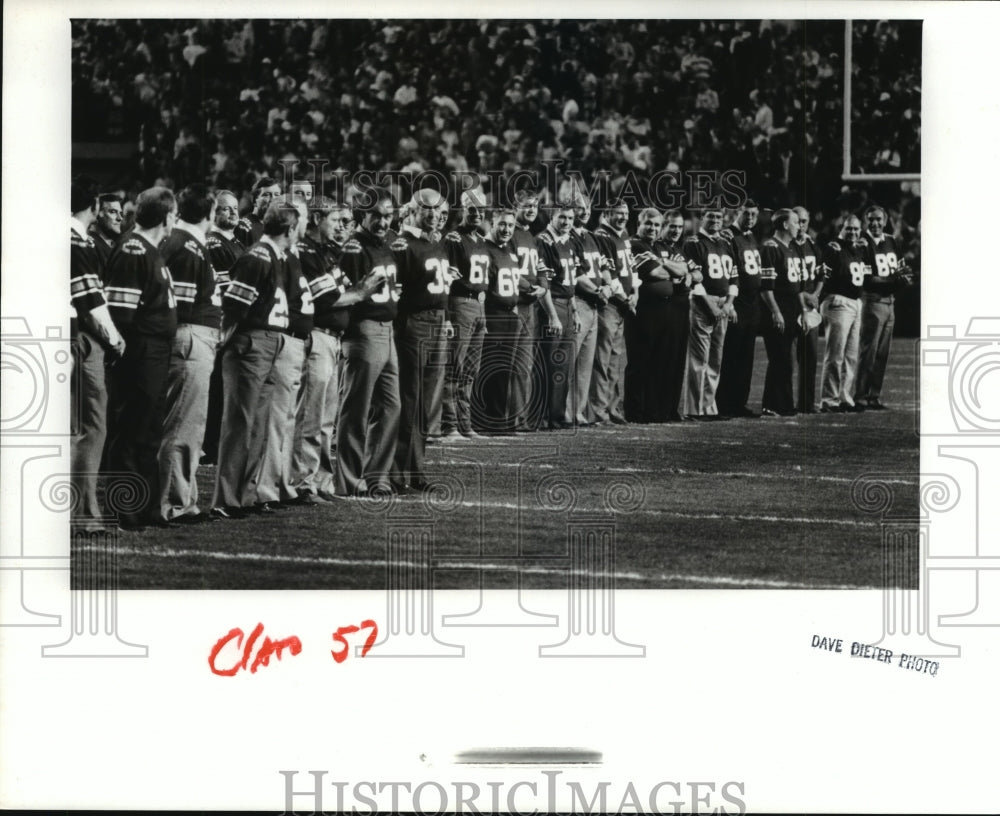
(680,472)
(718,580)
(709,516)
(791,475)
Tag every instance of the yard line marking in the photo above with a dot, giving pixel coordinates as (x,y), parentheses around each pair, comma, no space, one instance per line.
(679,514)
(792,475)
(721,580)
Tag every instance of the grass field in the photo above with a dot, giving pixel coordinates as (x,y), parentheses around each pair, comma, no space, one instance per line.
(760,503)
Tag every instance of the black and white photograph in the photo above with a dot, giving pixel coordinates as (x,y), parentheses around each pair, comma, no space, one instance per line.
(429,379)
(496,288)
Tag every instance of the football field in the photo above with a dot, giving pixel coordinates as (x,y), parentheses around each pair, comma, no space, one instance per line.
(763,503)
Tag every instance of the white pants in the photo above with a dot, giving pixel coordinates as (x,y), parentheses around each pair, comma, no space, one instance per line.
(842,316)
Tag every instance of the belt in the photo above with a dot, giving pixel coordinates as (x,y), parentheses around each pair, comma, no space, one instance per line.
(480,296)
(331,332)
(297,335)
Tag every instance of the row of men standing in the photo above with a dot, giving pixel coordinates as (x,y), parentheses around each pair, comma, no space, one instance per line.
(368,342)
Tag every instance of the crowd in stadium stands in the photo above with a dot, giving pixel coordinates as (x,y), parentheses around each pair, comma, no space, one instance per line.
(224,101)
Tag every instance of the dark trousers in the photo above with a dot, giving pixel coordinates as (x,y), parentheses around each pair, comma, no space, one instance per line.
(421,346)
(213,424)
(523,400)
(140,386)
(778,380)
(559,355)
(737,358)
(491,393)
(806,353)
(668,361)
(644,339)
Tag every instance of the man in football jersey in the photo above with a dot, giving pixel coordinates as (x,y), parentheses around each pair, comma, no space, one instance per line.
(251,227)
(878,307)
(272,437)
(741,335)
(712,311)
(468,262)
(254,317)
(846,268)
(319,397)
(95,339)
(652,321)
(106,229)
(667,386)
(592,292)
(199,318)
(223,251)
(558,263)
(491,412)
(422,329)
(537,316)
(812,291)
(781,275)
(142,303)
(607,384)
(368,425)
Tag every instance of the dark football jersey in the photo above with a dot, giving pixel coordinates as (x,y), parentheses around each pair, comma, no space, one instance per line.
(589,253)
(883,258)
(85,272)
(468,258)
(422,271)
(812,267)
(104,248)
(781,270)
(327,283)
(557,263)
(502,275)
(647,260)
(256,296)
(714,254)
(746,252)
(198,291)
(673,251)
(223,252)
(139,290)
(249,230)
(526,249)
(300,304)
(615,247)
(846,270)
(365,253)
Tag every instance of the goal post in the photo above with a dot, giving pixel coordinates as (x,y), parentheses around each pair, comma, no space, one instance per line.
(847,174)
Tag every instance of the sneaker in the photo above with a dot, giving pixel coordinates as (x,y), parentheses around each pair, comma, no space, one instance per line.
(831,409)
(452,437)
(471,435)
(767,412)
(875,405)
